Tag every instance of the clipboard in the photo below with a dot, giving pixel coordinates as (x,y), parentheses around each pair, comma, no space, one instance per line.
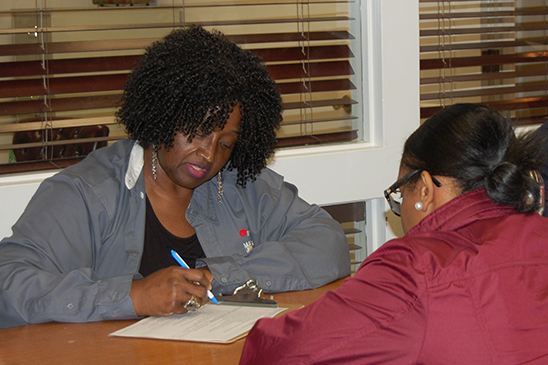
(248,294)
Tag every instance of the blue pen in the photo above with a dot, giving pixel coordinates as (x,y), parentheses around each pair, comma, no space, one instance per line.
(182,262)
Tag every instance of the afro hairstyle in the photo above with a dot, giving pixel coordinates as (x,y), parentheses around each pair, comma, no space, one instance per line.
(189,82)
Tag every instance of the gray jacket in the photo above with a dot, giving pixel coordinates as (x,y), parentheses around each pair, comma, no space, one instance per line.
(77,247)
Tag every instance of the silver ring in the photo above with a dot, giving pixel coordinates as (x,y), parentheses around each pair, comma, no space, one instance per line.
(192,305)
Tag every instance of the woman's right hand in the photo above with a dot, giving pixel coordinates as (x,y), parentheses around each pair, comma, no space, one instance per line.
(166,291)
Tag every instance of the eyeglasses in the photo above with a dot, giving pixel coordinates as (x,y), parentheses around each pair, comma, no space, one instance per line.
(393,193)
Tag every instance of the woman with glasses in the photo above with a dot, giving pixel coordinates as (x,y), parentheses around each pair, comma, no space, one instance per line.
(467,284)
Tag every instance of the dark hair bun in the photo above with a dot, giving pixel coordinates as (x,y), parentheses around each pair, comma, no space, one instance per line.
(477,147)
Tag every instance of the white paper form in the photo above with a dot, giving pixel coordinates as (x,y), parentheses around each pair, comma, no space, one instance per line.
(211,323)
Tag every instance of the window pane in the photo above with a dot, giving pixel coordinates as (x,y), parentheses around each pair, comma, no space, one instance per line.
(63,69)
(488,52)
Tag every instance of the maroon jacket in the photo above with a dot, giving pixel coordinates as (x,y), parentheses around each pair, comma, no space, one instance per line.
(468,285)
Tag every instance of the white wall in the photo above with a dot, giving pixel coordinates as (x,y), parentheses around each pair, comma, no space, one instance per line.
(327,175)
(15,192)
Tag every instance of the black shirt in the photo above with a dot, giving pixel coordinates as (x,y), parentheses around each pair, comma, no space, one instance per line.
(159,242)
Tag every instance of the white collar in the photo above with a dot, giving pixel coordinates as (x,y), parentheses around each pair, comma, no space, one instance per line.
(135,166)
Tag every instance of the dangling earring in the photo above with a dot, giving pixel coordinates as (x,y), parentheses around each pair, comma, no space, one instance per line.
(219,188)
(154,160)
(418,206)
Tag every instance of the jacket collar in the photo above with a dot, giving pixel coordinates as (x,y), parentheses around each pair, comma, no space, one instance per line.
(203,202)
(461,211)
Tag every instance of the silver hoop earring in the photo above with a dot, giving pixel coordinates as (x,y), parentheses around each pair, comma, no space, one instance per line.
(220,188)
(418,206)
(154,161)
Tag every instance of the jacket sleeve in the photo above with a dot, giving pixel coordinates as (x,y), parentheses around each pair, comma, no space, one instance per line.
(375,317)
(296,245)
(47,267)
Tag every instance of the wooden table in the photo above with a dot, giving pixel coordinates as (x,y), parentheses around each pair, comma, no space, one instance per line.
(88,343)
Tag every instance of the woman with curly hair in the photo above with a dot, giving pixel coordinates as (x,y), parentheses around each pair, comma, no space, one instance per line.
(467,284)
(96,240)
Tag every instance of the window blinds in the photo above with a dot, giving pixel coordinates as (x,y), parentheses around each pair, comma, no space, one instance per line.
(489,52)
(62,70)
